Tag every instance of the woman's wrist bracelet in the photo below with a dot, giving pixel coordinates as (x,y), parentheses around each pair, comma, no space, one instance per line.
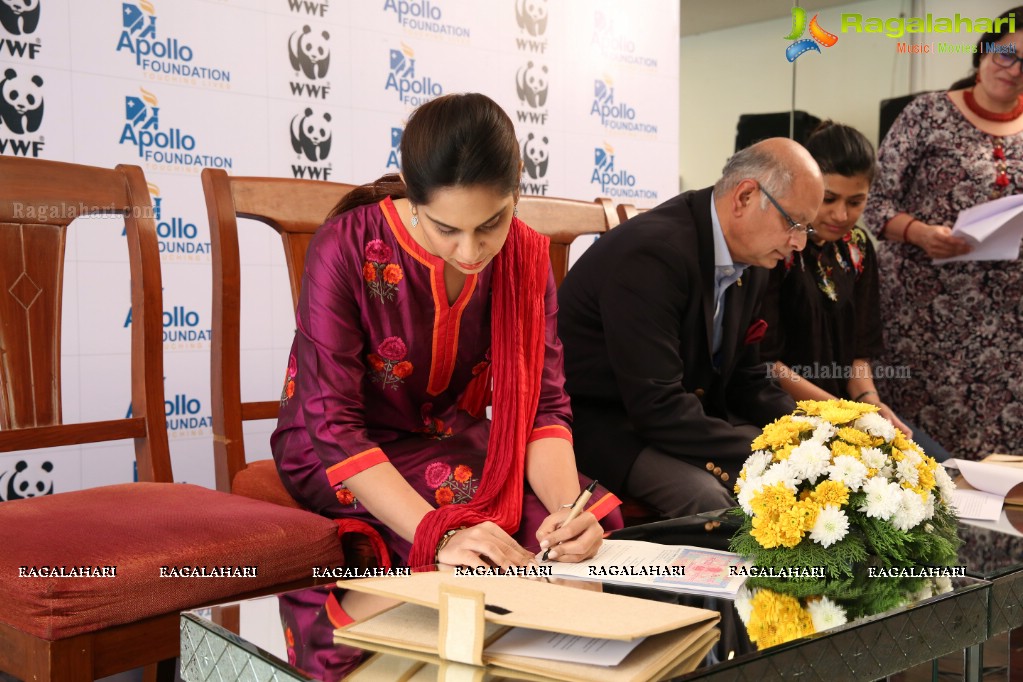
(863,395)
(905,232)
(444,539)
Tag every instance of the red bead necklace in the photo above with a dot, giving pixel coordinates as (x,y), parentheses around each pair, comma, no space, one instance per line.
(1001,174)
(989,115)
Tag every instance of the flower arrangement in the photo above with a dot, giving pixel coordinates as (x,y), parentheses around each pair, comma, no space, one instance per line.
(836,485)
(775,611)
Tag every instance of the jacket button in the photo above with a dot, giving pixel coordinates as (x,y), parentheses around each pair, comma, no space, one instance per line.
(698,393)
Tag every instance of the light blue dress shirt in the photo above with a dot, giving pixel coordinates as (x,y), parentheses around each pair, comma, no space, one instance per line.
(726,273)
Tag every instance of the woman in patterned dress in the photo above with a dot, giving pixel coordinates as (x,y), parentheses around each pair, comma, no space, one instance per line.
(420,294)
(956,327)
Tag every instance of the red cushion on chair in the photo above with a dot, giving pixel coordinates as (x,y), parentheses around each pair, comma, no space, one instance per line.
(140,527)
(260,481)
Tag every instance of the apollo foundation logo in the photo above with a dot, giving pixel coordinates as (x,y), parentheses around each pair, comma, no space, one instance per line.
(411,89)
(164,58)
(818,36)
(187,417)
(614,179)
(179,237)
(168,149)
(617,114)
(394,154)
(426,18)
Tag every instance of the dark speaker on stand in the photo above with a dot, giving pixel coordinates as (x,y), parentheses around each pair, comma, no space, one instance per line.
(755,127)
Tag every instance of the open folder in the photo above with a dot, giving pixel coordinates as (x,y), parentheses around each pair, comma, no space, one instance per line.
(444,618)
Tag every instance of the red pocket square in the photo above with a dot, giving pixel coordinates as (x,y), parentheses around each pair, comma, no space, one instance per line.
(756,332)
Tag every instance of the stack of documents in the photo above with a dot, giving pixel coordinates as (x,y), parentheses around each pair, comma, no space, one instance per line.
(994,230)
(985,486)
(526,629)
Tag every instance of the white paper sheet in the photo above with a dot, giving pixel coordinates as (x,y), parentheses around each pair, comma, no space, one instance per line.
(993,228)
(991,478)
(554,646)
(976,504)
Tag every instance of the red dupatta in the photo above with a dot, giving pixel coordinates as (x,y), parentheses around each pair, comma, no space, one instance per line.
(517,331)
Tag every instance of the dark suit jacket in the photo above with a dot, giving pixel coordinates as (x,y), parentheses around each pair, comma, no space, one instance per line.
(636,321)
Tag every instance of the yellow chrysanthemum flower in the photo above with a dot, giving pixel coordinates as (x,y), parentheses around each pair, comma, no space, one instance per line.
(840,448)
(779,433)
(855,437)
(777,618)
(831,492)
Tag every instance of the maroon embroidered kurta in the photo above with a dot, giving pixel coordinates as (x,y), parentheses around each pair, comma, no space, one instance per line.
(383,368)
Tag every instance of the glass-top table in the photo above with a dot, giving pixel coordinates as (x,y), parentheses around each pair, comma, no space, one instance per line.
(280,636)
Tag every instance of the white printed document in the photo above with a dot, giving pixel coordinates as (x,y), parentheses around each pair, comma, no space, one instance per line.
(994,230)
(678,568)
(987,486)
(556,646)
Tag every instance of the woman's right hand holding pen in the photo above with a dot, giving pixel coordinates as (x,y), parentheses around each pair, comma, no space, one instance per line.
(575,541)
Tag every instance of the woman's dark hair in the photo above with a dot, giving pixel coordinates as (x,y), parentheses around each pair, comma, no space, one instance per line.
(455,140)
(992,37)
(842,150)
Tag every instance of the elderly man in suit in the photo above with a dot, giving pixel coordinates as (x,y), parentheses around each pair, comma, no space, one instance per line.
(660,325)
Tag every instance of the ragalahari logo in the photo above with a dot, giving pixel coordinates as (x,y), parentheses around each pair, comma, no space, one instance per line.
(817,35)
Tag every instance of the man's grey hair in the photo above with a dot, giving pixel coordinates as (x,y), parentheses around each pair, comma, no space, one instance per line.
(755,164)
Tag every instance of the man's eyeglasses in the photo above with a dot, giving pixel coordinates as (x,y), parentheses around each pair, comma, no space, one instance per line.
(793,225)
(1006,60)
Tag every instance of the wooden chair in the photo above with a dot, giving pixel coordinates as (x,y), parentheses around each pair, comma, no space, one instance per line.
(563,220)
(626,211)
(294,209)
(83,628)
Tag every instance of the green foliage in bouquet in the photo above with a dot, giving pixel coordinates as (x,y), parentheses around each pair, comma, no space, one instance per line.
(835,485)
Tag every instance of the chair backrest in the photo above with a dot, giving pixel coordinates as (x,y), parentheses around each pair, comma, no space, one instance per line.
(294,209)
(563,220)
(38,200)
(626,211)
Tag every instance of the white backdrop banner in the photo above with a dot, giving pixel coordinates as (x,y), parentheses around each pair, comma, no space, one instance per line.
(316,89)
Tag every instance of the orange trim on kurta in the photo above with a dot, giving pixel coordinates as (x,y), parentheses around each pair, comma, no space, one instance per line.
(335,613)
(447,318)
(344,470)
(604,506)
(552,431)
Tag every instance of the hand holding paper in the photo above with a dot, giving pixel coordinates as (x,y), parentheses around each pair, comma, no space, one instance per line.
(994,228)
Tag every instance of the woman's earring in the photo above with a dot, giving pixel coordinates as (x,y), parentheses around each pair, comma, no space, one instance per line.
(415,217)
(515,211)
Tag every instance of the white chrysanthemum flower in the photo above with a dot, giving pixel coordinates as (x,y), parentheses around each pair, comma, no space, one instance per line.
(910,512)
(831,526)
(781,472)
(906,471)
(886,472)
(758,463)
(942,584)
(914,456)
(826,614)
(848,470)
(945,484)
(873,458)
(744,604)
(824,432)
(929,507)
(883,498)
(875,425)
(749,490)
(809,460)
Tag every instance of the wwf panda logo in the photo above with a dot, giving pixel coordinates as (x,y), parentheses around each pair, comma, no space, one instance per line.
(531,84)
(531,16)
(535,156)
(310,52)
(26,481)
(21,102)
(311,135)
(19,16)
